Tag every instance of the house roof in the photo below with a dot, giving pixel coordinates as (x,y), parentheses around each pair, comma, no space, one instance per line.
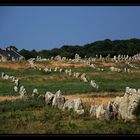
(4,53)
(10,53)
(13,54)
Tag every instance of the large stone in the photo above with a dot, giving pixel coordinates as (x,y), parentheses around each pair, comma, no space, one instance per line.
(100,112)
(22,91)
(2,75)
(6,77)
(84,77)
(49,97)
(126,105)
(94,84)
(58,100)
(15,89)
(113,69)
(35,93)
(74,104)
(111,111)
(77,74)
(92,110)
(17,82)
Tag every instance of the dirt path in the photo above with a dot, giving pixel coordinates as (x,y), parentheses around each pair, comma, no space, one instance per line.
(86,98)
(15,66)
(2,98)
(65,65)
(89,99)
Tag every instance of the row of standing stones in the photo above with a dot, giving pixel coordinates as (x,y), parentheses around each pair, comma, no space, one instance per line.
(119,108)
(69,72)
(89,63)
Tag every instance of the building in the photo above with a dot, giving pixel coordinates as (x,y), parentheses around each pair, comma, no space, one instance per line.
(9,54)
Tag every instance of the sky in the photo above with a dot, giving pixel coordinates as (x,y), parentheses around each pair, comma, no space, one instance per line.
(48,27)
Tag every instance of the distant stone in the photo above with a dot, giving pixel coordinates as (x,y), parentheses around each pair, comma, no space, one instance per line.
(35,93)
(84,77)
(94,84)
(22,91)
(15,88)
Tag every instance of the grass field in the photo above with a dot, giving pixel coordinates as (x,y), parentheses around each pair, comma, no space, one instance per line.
(33,116)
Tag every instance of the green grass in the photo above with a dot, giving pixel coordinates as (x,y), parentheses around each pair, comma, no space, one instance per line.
(107,81)
(34,117)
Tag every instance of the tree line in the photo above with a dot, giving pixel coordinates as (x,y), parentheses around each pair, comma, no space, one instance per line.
(103,47)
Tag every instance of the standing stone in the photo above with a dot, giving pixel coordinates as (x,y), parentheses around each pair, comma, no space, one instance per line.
(17,82)
(77,74)
(2,75)
(100,112)
(126,105)
(92,110)
(93,84)
(84,77)
(35,93)
(77,57)
(58,58)
(22,91)
(69,72)
(74,104)
(15,89)
(55,70)
(49,97)
(58,100)
(60,70)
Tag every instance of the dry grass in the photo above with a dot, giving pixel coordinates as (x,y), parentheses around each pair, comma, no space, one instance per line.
(89,99)
(109,64)
(86,98)
(2,98)
(65,65)
(15,65)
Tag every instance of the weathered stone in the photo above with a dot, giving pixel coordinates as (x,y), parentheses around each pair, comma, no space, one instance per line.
(58,58)
(100,112)
(17,82)
(49,97)
(113,69)
(69,72)
(22,91)
(55,70)
(2,75)
(92,110)
(60,70)
(35,93)
(126,106)
(77,74)
(77,57)
(74,104)
(15,88)
(111,111)
(80,112)
(6,77)
(84,77)
(92,66)
(58,100)
(93,84)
